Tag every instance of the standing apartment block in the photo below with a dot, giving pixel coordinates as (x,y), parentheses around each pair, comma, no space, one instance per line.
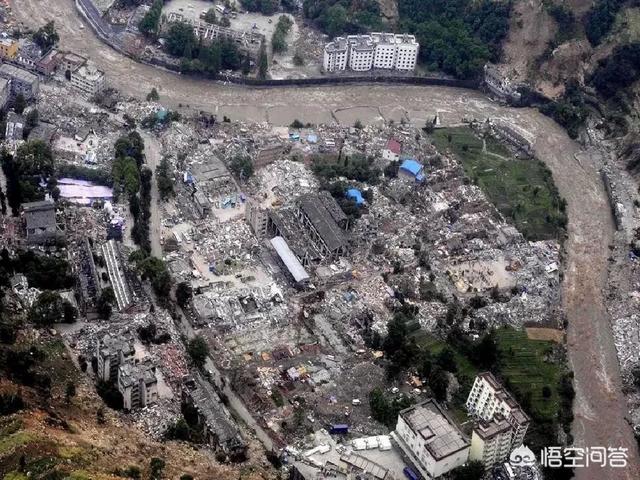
(501,422)
(88,79)
(379,51)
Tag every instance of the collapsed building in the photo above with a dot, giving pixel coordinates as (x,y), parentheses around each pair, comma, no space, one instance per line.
(111,352)
(248,41)
(118,275)
(138,384)
(217,428)
(313,228)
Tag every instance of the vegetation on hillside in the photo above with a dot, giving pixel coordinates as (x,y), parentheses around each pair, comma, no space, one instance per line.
(600,19)
(618,71)
(456,36)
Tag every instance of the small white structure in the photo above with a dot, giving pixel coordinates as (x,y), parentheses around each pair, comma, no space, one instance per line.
(392,150)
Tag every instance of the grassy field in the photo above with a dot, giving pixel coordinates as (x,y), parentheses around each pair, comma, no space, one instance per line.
(523,365)
(522,189)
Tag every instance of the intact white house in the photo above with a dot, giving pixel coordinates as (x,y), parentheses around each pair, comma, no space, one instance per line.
(88,79)
(431,440)
(502,424)
(361,53)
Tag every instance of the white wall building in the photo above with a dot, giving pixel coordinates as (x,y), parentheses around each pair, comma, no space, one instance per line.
(493,406)
(335,55)
(431,440)
(491,442)
(360,53)
(407,53)
(385,56)
(88,79)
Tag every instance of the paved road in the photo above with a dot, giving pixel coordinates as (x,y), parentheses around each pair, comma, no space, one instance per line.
(153,156)
(600,407)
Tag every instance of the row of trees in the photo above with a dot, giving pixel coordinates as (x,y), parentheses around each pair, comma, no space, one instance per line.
(266,7)
(150,23)
(278,40)
(204,59)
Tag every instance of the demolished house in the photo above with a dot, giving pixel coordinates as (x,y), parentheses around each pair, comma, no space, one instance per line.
(218,429)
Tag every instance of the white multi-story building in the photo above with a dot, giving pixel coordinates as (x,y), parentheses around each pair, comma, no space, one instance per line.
(385,56)
(491,441)
(431,440)
(407,52)
(360,53)
(88,79)
(493,406)
(335,55)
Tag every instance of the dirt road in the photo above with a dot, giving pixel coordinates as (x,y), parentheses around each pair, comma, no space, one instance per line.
(600,407)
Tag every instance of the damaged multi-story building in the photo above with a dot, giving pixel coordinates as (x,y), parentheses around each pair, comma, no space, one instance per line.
(117,275)
(314,228)
(111,352)
(248,41)
(218,429)
(138,384)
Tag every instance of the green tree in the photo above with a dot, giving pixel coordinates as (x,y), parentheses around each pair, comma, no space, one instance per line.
(210,16)
(439,383)
(156,465)
(263,62)
(241,166)
(151,20)
(50,308)
(181,40)
(335,20)
(153,95)
(35,158)
(104,304)
(184,292)
(46,37)
(198,350)
(164,179)
(70,391)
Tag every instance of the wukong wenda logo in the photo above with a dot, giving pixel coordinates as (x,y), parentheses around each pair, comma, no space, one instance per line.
(522,457)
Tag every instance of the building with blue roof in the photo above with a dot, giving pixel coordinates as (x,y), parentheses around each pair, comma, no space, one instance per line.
(413,169)
(355,195)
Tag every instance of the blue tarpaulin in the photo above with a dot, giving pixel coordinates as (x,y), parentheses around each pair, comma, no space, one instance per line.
(411,166)
(355,195)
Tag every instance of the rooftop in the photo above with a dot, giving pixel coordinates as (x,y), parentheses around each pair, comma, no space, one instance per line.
(442,436)
(394,146)
(130,374)
(40,215)
(289,259)
(323,221)
(19,73)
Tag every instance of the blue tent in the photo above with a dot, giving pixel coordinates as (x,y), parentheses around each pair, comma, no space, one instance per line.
(356,195)
(411,166)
